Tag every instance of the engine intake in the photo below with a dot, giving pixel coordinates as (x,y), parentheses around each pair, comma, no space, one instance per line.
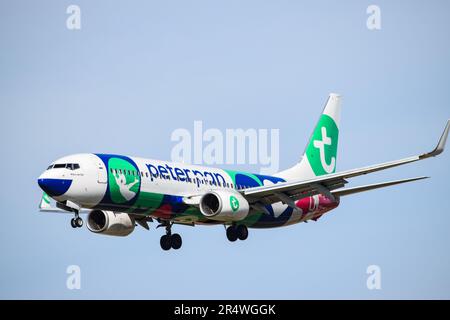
(110,223)
(224,205)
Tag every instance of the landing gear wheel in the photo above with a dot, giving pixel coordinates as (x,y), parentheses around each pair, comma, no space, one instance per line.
(231,233)
(242,232)
(176,241)
(79,222)
(73,223)
(165,242)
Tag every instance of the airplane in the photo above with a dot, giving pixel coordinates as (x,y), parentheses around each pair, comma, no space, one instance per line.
(120,192)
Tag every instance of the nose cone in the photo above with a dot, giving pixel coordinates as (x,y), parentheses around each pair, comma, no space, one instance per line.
(54,187)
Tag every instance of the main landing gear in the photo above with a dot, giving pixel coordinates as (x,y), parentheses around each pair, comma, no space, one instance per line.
(76,222)
(169,240)
(235,232)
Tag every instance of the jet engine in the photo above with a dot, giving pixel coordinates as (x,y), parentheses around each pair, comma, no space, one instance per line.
(110,223)
(224,205)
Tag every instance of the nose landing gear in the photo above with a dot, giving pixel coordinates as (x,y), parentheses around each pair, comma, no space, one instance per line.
(76,222)
(169,240)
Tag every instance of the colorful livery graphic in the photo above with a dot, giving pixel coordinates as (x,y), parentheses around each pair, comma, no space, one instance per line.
(119,192)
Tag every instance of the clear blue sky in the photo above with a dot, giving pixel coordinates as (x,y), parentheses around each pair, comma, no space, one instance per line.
(137,70)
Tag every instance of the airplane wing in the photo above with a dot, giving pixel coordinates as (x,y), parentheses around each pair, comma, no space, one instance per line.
(295,190)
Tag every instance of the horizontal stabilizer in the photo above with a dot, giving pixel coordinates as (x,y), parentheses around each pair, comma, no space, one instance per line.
(46,206)
(348,191)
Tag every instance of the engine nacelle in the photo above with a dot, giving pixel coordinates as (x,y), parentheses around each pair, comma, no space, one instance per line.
(110,223)
(224,205)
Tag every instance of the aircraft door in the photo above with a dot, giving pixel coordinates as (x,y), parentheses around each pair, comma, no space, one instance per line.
(102,175)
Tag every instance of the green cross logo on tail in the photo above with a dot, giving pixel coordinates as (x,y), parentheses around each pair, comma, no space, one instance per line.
(322,148)
(234,203)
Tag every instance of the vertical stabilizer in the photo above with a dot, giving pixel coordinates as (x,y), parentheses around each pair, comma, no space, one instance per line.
(320,155)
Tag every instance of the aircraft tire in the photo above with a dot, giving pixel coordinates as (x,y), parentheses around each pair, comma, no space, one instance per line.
(231,233)
(242,232)
(79,222)
(165,242)
(176,241)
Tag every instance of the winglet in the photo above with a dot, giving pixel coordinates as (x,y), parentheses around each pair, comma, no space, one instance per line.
(441,144)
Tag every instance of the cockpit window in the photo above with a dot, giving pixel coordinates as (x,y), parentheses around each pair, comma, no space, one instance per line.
(70,166)
(73,166)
